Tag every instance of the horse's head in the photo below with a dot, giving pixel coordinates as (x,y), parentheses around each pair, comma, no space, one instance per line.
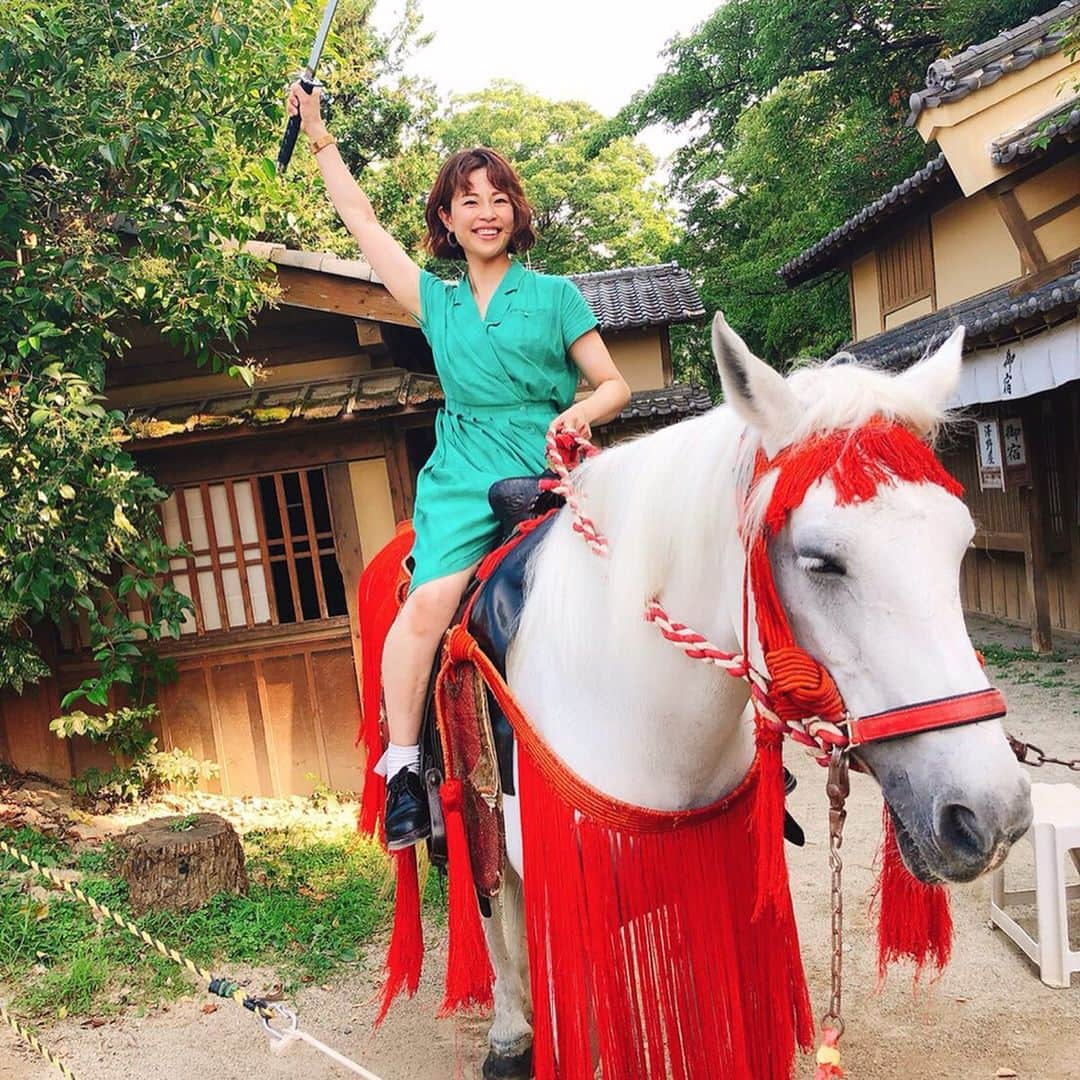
(870,587)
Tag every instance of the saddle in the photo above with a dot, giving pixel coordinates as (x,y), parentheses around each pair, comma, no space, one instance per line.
(463,724)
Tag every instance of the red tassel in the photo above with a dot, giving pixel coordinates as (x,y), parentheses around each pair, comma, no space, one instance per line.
(768,825)
(469,978)
(828,1056)
(914,921)
(377,605)
(405,956)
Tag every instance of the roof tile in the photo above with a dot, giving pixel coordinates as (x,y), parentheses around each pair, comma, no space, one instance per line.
(952,78)
(933,176)
(981,315)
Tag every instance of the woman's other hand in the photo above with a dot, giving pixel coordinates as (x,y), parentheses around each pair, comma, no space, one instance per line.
(576,418)
(309,106)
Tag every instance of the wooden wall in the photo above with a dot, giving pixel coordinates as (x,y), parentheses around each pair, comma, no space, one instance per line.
(994,575)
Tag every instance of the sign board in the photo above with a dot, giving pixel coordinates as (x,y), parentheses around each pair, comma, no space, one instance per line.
(1014,452)
(991,461)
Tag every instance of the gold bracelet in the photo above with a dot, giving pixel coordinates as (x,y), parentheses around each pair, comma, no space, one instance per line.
(322,142)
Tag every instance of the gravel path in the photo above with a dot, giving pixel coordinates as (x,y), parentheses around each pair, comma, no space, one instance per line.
(988,1016)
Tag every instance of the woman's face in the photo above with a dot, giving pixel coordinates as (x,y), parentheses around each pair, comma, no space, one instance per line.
(481,217)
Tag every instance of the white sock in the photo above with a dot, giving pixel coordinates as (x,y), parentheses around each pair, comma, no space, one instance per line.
(402,757)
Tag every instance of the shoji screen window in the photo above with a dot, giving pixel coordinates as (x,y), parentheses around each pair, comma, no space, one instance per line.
(261,551)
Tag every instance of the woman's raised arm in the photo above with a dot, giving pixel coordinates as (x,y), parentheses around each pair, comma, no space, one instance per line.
(387,257)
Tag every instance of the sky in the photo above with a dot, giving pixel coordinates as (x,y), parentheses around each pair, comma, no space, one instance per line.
(597,51)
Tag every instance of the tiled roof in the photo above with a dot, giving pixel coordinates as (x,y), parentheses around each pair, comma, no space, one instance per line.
(671,402)
(388,391)
(634,296)
(982,315)
(640,296)
(328,399)
(952,78)
(935,175)
(1061,121)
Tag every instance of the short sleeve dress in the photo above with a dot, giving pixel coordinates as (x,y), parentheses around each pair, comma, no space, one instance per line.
(505,377)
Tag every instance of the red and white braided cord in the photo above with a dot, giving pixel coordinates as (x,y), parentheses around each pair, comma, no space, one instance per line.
(817,735)
(557,453)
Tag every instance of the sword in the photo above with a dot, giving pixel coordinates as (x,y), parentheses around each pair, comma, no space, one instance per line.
(307,81)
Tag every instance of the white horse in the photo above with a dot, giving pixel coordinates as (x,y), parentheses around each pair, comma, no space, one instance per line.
(870,589)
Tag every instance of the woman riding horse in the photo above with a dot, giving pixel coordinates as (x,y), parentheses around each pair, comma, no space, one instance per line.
(509,345)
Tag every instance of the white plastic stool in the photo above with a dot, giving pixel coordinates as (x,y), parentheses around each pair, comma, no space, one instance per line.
(1054,832)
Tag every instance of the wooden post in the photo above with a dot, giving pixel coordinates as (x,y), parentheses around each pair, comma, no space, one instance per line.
(1032,505)
(666,367)
(399,472)
(347,544)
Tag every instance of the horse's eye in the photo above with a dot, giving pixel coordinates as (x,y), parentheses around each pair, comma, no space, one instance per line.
(820,564)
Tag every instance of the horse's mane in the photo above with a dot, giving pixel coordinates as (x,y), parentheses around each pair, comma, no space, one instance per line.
(669,496)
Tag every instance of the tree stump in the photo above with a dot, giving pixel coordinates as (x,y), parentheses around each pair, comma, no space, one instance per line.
(178,863)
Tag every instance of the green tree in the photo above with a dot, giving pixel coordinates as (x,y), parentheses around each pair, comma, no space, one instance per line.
(161,122)
(591,213)
(795,111)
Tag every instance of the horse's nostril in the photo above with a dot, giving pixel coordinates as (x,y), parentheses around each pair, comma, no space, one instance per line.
(960,831)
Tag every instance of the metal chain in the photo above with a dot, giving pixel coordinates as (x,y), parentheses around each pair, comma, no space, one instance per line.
(837,788)
(1024,750)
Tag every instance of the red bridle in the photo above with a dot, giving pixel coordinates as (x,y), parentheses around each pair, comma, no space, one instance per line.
(857,462)
(944,712)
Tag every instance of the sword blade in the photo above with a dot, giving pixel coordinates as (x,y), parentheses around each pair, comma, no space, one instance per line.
(320,37)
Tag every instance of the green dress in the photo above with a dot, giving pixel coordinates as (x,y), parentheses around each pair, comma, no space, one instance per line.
(505,377)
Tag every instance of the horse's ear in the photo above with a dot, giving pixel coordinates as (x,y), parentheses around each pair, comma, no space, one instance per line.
(934,378)
(757,392)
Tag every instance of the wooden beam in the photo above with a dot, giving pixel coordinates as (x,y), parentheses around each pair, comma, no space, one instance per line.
(368,333)
(1062,208)
(1032,504)
(345,296)
(399,473)
(1020,229)
(184,460)
(990,540)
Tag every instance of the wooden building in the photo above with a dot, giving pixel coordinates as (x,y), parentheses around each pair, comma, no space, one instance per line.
(987,234)
(281,492)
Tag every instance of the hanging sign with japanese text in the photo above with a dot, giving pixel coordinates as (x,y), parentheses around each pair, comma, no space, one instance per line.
(991,463)
(1014,452)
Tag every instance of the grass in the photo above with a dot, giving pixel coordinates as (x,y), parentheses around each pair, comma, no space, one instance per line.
(1003,656)
(314,903)
(1026,667)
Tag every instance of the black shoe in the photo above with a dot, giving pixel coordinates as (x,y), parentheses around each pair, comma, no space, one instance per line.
(408,820)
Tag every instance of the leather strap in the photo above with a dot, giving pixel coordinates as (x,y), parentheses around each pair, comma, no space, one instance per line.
(970,708)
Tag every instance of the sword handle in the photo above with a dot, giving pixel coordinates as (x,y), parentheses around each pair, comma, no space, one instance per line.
(292,129)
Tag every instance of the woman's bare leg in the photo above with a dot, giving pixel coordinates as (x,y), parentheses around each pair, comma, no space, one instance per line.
(407,658)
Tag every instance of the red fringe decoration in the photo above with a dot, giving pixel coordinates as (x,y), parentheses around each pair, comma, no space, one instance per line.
(645,932)
(914,921)
(469,978)
(377,604)
(405,956)
(768,826)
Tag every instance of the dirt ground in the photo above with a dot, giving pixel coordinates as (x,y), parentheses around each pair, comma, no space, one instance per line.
(987,1017)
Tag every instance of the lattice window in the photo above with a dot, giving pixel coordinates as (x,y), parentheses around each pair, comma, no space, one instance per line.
(906,269)
(262,551)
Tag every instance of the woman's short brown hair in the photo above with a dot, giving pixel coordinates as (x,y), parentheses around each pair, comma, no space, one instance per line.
(454,177)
